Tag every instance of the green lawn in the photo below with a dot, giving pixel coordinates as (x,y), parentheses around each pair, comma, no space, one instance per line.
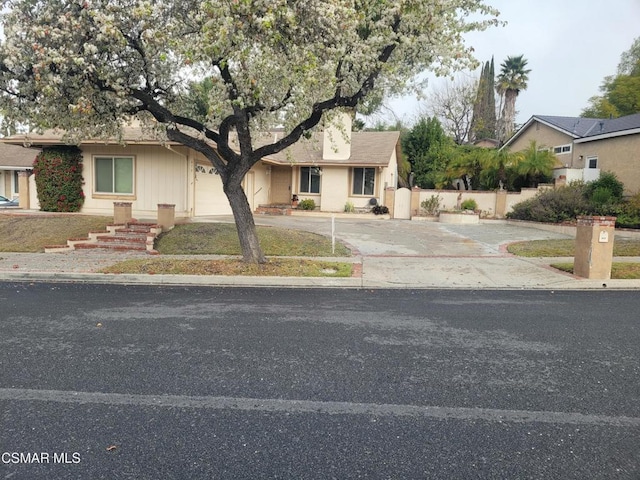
(30,233)
(565,248)
(222,239)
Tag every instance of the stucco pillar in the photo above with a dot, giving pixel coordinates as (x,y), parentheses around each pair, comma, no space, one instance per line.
(390,199)
(594,247)
(501,203)
(121,213)
(166,216)
(415,201)
(23,189)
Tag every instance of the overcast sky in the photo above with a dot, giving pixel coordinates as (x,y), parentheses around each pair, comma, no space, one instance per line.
(571,45)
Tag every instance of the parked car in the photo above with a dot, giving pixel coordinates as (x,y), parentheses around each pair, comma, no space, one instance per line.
(5,202)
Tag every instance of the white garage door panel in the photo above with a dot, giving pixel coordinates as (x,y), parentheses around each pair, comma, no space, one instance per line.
(210,198)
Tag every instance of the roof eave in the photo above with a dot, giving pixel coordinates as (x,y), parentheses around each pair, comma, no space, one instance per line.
(604,136)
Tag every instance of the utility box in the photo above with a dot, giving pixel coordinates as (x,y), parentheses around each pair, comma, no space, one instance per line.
(594,247)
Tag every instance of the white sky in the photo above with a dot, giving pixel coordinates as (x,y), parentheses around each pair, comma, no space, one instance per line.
(570,45)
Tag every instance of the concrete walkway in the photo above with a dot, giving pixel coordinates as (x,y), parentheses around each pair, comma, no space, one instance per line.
(392,254)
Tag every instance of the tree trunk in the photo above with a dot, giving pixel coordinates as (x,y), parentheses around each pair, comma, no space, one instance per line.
(246,227)
(509,112)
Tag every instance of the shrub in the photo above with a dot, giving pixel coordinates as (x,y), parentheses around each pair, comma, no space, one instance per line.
(608,182)
(431,206)
(307,204)
(628,215)
(553,206)
(58,175)
(469,204)
(380,210)
(349,208)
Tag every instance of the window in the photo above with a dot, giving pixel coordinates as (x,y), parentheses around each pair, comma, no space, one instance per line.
(559,150)
(310,179)
(592,162)
(364,181)
(16,182)
(114,175)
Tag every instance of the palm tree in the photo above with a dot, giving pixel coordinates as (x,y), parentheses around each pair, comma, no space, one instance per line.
(535,164)
(513,77)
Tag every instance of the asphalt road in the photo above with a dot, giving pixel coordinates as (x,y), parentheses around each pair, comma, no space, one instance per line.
(120,382)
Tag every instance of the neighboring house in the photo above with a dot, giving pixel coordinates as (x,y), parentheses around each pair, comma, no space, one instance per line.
(586,146)
(332,168)
(13,160)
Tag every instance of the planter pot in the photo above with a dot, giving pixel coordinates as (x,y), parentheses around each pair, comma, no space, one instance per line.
(459,218)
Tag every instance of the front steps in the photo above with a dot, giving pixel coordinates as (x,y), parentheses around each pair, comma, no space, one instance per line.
(132,237)
(274,210)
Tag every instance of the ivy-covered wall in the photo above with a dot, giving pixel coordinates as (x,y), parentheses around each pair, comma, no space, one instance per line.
(58,175)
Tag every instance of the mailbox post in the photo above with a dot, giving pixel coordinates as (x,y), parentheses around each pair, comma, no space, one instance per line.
(594,247)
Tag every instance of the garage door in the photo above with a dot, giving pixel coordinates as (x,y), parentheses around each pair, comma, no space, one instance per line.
(210,198)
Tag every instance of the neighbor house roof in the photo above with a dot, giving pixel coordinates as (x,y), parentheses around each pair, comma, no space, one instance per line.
(15,157)
(367,148)
(586,129)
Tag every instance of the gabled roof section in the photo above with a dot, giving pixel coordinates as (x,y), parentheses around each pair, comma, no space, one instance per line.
(613,127)
(367,149)
(577,127)
(15,157)
(586,129)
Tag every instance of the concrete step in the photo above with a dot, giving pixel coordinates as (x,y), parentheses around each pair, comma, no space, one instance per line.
(112,246)
(122,239)
(132,237)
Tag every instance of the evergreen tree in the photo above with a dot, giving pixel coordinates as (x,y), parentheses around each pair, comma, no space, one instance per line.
(483,123)
(428,150)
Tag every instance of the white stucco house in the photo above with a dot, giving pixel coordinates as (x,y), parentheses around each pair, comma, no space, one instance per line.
(332,167)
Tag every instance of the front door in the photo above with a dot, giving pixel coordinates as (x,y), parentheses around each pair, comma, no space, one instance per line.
(280,185)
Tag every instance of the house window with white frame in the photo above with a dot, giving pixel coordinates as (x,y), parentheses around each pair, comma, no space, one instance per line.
(114,175)
(592,162)
(364,180)
(310,179)
(16,182)
(561,149)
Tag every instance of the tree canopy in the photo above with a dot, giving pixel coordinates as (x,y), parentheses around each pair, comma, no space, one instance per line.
(620,93)
(512,79)
(428,149)
(88,66)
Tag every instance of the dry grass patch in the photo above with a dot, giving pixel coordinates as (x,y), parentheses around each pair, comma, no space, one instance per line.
(619,270)
(30,233)
(285,267)
(222,239)
(566,248)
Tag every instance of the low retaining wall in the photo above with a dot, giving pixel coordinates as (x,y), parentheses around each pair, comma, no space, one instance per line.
(459,218)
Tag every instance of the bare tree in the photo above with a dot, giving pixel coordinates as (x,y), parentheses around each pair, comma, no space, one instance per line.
(452,104)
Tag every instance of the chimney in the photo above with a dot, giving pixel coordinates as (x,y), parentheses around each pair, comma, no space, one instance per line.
(336,140)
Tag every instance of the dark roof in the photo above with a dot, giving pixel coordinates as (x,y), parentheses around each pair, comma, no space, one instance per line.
(587,129)
(15,157)
(575,126)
